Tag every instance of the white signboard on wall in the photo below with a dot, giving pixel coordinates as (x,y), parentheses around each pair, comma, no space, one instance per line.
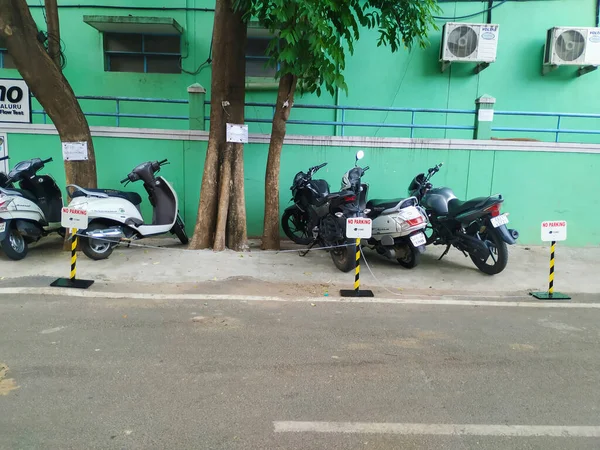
(15,101)
(3,152)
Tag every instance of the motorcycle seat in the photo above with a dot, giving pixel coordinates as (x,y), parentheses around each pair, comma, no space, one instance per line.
(456,206)
(132,197)
(22,193)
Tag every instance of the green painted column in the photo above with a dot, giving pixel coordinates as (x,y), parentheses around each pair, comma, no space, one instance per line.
(484,117)
(197,96)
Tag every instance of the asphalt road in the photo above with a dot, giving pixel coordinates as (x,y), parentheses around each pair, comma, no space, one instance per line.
(80,373)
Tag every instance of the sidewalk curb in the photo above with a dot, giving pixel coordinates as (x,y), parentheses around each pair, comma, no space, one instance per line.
(58,292)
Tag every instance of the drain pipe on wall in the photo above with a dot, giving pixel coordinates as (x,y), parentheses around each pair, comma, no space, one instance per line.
(597,13)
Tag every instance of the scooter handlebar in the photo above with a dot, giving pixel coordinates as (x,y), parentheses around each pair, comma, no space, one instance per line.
(124,180)
(45,161)
(4,158)
(164,161)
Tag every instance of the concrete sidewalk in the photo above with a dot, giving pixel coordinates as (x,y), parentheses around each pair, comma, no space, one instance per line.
(173,268)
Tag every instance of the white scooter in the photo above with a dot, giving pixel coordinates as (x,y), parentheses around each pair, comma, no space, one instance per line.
(398,226)
(31,212)
(115,215)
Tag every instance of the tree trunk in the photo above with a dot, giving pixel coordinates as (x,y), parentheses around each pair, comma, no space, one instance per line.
(221,212)
(283,108)
(49,86)
(52,23)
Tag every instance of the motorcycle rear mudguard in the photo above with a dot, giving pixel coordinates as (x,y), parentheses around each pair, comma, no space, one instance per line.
(509,236)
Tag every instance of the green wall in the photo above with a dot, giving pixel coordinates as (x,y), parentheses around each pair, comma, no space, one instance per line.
(375,76)
(537,186)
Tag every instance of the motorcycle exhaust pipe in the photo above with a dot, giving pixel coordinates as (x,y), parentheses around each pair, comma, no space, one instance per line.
(514,233)
(108,233)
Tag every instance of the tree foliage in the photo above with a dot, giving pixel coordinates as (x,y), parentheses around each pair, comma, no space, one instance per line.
(311,37)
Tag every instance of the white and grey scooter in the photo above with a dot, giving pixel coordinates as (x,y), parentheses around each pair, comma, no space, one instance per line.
(30,212)
(115,215)
(398,226)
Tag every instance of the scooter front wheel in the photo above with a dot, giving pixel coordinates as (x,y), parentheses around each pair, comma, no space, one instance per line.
(179,230)
(14,244)
(96,249)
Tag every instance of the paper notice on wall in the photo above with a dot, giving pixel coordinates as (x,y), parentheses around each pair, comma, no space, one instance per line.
(237,133)
(75,151)
(486,115)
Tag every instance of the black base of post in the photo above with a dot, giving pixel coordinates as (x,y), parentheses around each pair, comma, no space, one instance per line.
(548,296)
(353,293)
(75,284)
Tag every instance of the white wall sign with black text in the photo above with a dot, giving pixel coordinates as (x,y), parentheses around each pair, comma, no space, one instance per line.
(15,101)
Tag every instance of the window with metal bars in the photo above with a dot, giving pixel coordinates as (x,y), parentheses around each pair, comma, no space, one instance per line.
(143,53)
(6,61)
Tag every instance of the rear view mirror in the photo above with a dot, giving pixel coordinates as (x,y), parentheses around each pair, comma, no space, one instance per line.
(360,155)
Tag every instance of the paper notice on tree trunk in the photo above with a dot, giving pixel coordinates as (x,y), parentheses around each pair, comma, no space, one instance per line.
(75,151)
(237,133)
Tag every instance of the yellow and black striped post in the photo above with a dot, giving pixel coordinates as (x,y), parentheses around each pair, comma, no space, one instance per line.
(74,243)
(72,281)
(357,269)
(551,277)
(356,292)
(551,295)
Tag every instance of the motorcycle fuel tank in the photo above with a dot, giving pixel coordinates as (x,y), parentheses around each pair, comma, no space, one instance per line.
(437,200)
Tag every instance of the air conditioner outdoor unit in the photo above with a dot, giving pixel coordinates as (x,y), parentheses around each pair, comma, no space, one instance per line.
(572,47)
(469,42)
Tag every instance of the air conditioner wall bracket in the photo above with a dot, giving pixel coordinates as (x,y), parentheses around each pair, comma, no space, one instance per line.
(481,66)
(586,69)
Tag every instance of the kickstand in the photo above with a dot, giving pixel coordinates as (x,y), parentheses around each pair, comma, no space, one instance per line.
(445,252)
(304,253)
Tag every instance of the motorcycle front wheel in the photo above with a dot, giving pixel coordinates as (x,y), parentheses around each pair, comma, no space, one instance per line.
(295,226)
(344,257)
(498,257)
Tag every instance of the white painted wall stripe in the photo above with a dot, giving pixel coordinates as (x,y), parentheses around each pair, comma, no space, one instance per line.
(324,141)
(440,301)
(438,429)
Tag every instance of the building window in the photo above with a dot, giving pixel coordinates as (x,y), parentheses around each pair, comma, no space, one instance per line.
(256,58)
(6,61)
(144,53)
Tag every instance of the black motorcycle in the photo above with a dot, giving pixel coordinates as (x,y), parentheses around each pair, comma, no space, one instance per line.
(476,227)
(318,217)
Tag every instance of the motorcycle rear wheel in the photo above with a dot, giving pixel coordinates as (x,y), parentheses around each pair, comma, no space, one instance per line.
(411,257)
(344,258)
(295,226)
(498,253)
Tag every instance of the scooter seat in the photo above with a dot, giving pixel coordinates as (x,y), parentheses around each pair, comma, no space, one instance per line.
(22,193)
(456,206)
(383,203)
(132,197)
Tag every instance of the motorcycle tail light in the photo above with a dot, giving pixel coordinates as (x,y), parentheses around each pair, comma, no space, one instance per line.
(350,198)
(415,221)
(494,210)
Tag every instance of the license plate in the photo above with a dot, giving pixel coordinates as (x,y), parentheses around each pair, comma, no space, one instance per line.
(499,220)
(2,227)
(418,239)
